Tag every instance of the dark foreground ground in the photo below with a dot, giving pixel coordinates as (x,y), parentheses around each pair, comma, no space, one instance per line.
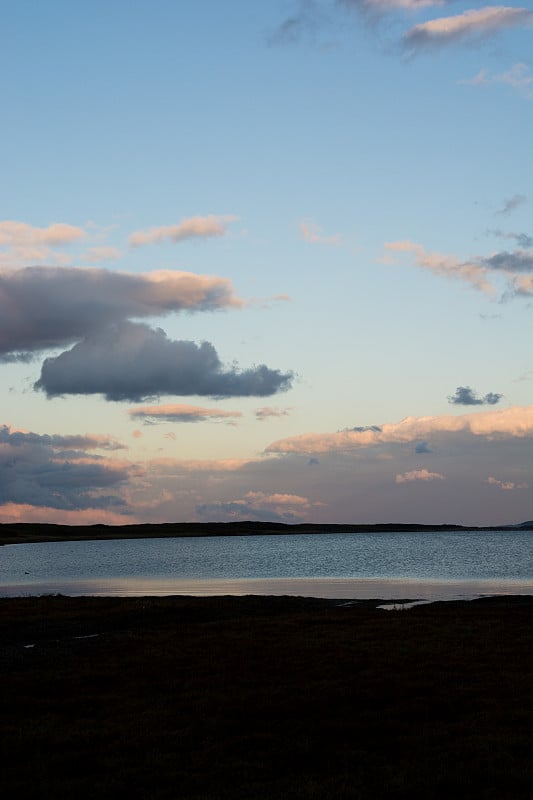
(258,698)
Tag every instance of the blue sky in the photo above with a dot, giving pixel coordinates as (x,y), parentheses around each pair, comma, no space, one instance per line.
(334,196)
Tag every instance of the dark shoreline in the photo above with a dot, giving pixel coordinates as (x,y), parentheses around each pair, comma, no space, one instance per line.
(233,698)
(26,532)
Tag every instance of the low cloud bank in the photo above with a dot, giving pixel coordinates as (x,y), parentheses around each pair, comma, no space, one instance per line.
(515,422)
(57,472)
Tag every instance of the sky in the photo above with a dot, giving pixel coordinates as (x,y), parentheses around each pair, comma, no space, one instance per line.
(266,261)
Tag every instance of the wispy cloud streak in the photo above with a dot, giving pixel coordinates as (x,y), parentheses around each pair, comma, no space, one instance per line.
(474,23)
(192,228)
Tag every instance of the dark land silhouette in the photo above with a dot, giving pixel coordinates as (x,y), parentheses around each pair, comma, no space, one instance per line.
(25,532)
(265,698)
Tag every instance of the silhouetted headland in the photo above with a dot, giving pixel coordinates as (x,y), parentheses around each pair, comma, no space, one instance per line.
(26,532)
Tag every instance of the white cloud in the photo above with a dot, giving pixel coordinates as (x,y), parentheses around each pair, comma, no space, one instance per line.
(192,228)
(418,475)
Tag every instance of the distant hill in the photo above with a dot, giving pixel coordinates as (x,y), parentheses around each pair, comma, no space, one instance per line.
(26,532)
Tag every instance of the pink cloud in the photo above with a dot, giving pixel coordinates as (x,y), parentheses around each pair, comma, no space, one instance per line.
(473,22)
(179,412)
(17,234)
(192,228)
(312,233)
(507,485)
(23,512)
(418,475)
(511,422)
(445,266)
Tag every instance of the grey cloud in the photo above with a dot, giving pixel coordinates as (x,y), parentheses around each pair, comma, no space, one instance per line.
(16,358)
(363,428)
(130,361)
(422,447)
(522,239)
(491,398)
(517,261)
(465,396)
(56,441)
(514,201)
(34,471)
(44,307)
(304,22)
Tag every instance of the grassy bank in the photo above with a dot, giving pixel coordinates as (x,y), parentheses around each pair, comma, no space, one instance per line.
(261,698)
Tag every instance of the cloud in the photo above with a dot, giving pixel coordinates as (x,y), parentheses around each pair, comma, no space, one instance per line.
(267,412)
(479,272)
(21,243)
(514,422)
(131,361)
(304,22)
(382,6)
(418,475)
(20,234)
(474,23)
(517,77)
(465,396)
(474,274)
(86,441)
(312,233)
(523,240)
(182,413)
(56,471)
(192,228)
(182,466)
(97,254)
(422,447)
(44,307)
(275,507)
(512,203)
(517,261)
(507,485)
(25,512)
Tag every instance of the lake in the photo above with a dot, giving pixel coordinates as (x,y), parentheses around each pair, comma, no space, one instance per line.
(388,565)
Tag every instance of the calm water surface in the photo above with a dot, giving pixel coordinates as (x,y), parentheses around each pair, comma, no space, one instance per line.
(385,565)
